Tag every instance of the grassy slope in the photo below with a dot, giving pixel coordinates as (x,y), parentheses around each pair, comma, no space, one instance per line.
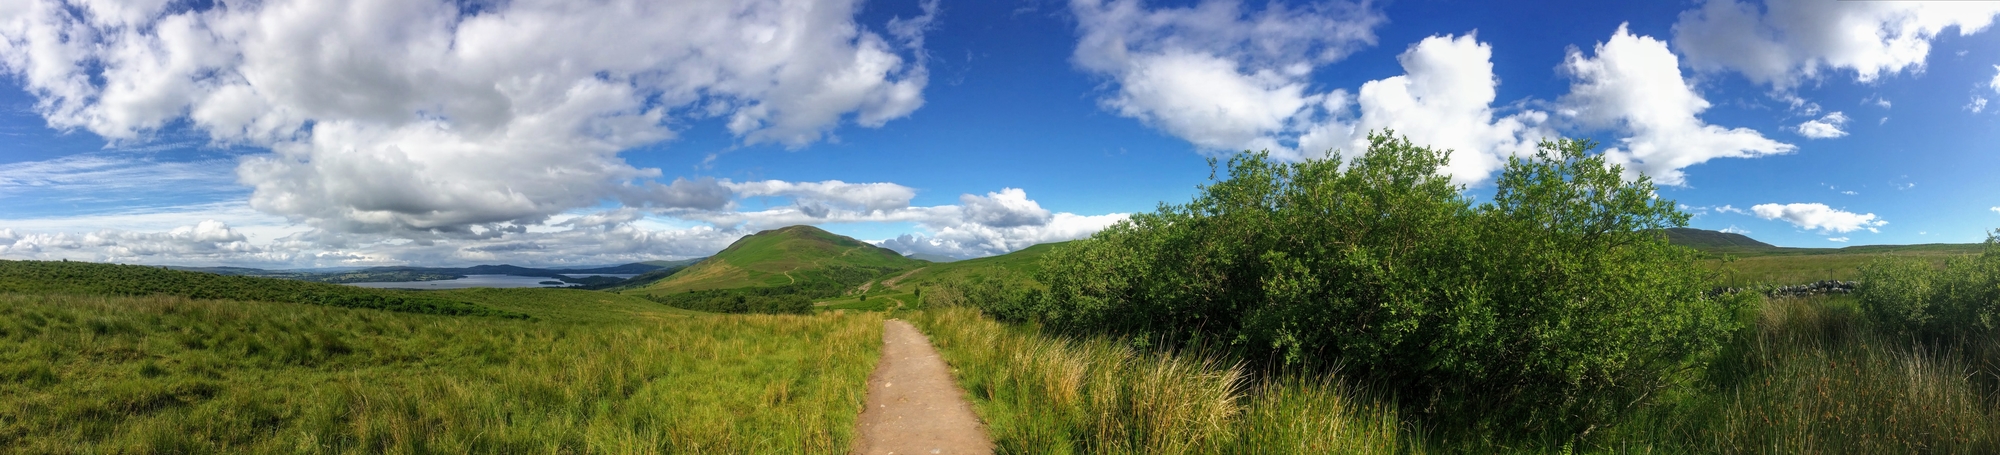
(1752,263)
(1024,263)
(779,257)
(66,277)
(592,372)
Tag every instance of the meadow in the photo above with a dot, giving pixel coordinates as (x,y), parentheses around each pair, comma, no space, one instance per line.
(590,372)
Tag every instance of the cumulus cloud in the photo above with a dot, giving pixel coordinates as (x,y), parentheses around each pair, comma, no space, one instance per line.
(1008,208)
(1826,127)
(1977,105)
(866,197)
(1784,42)
(1227,80)
(969,240)
(1819,216)
(208,239)
(1732,229)
(1634,84)
(434,117)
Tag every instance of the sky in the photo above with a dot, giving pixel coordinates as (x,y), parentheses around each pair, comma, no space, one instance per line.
(342,133)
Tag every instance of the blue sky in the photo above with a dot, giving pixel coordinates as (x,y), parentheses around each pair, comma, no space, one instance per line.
(312,133)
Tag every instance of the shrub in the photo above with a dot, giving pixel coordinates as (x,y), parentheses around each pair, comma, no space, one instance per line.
(1911,297)
(1555,307)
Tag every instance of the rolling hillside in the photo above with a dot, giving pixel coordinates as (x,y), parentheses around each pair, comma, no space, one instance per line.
(1743,261)
(797,255)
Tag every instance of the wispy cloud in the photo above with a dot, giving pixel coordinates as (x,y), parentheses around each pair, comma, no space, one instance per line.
(102,175)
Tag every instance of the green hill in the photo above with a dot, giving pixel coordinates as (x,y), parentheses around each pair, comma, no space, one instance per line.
(1705,239)
(801,256)
(84,278)
(1022,264)
(1751,262)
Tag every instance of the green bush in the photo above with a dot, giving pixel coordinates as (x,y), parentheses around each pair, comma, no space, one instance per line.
(1913,297)
(1553,308)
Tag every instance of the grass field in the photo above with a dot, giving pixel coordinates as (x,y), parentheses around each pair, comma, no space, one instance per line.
(1784,266)
(592,373)
(1044,395)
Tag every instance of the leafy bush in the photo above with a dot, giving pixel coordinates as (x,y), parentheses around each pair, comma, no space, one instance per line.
(745,300)
(1555,307)
(1913,297)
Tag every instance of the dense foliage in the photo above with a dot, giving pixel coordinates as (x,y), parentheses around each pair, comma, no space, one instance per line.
(770,300)
(1915,297)
(133,280)
(1555,307)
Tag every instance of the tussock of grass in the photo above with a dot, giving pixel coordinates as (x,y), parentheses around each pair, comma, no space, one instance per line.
(1042,395)
(1812,377)
(172,375)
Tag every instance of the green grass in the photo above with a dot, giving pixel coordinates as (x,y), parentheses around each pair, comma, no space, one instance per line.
(781,257)
(877,301)
(1024,263)
(1810,376)
(64,277)
(592,373)
(1786,266)
(1045,395)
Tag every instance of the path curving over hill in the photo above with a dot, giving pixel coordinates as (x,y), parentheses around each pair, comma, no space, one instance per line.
(914,407)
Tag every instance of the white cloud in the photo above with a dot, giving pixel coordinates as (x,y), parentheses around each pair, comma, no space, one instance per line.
(1849,192)
(1996,210)
(1732,229)
(976,240)
(1634,84)
(1977,105)
(1819,216)
(867,197)
(1837,239)
(1008,208)
(1228,80)
(113,176)
(206,240)
(1826,127)
(1726,208)
(424,118)
(1786,42)
(1995,83)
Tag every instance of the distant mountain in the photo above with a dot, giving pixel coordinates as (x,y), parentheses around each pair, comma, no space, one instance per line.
(1703,239)
(797,255)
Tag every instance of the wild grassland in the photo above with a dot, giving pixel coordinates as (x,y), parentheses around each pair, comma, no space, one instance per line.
(1044,395)
(1811,376)
(594,373)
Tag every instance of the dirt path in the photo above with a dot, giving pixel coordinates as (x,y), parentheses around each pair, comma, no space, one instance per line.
(913,405)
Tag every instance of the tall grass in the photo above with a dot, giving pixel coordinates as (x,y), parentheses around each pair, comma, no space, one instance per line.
(82,374)
(1045,395)
(1811,376)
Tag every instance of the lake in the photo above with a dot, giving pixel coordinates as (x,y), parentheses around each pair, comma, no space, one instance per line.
(470,281)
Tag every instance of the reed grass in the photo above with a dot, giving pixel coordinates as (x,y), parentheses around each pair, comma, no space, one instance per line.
(89,374)
(1047,395)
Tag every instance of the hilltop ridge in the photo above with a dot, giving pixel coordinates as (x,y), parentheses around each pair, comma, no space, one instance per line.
(795,255)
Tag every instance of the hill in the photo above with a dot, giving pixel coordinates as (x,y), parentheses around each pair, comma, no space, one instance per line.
(1703,238)
(84,278)
(1743,261)
(801,256)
